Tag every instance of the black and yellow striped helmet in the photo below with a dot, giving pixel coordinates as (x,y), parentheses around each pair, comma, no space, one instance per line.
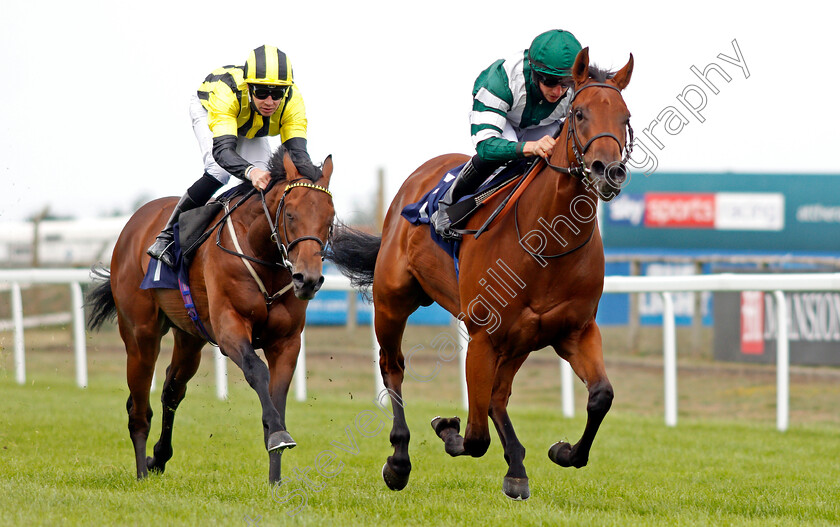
(268,65)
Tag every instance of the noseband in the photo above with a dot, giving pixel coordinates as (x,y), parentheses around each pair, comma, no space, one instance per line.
(581,170)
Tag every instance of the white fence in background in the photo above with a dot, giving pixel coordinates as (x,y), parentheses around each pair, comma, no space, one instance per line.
(778,284)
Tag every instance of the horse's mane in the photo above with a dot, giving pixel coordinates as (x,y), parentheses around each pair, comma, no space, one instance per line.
(275,164)
(275,168)
(599,74)
(278,170)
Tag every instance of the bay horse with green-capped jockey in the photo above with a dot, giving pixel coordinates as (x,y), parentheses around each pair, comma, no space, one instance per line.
(532,280)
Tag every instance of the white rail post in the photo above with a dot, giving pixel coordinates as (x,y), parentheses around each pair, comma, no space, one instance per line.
(463,345)
(79,334)
(378,383)
(669,350)
(300,370)
(17,317)
(221,374)
(782,363)
(567,379)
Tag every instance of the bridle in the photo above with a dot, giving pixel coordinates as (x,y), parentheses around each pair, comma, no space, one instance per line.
(274,226)
(580,170)
(286,248)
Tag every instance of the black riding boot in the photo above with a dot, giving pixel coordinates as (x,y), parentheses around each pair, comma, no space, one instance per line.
(468,180)
(162,248)
(197,195)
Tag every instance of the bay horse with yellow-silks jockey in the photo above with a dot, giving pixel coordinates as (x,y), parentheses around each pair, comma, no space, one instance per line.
(533,280)
(250,290)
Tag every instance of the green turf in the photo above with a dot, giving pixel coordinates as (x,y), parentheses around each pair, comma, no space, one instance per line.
(65,459)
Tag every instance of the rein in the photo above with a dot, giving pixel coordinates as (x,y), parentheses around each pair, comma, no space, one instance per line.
(274,226)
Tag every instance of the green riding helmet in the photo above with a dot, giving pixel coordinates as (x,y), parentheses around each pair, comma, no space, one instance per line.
(553,53)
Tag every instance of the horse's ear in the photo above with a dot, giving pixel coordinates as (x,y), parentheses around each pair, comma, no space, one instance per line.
(622,78)
(291,170)
(580,70)
(327,169)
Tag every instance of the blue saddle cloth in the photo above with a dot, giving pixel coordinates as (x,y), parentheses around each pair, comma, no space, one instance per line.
(160,276)
(420,212)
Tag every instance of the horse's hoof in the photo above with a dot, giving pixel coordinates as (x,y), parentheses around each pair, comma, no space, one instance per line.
(516,488)
(561,453)
(393,480)
(439,424)
(280,441)
(150,464)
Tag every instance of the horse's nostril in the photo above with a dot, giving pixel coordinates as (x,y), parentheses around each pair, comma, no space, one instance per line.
(597,167)
(616,174)
(297,278)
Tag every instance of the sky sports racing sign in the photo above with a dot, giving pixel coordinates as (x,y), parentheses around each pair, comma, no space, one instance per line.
(737,212)
(720,210)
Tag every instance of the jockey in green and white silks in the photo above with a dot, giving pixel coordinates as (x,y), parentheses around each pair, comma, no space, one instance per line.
(519,104)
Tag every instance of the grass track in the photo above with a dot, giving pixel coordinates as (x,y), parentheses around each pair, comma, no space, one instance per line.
(65,459)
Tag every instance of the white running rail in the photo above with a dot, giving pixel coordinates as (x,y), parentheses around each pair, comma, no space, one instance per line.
(777,284)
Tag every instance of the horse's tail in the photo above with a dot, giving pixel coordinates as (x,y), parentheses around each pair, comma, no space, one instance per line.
(354,253)
(100,299)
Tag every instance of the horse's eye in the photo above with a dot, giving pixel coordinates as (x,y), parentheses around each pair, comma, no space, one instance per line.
(579,115)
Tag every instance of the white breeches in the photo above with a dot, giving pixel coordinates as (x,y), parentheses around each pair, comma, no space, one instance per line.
(256,151)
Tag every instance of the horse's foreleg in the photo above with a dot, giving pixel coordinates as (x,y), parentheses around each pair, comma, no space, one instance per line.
(481,366)
(186,357)
(515,484)
(241,352)
(587,361)
(282,360)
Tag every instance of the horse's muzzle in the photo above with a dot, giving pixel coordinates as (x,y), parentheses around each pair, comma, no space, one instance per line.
(307,285)
(608,180)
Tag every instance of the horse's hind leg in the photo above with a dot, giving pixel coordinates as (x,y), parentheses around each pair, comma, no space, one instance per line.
(186,357)
(586,358)
(142,344)
(391,314)
(515,484)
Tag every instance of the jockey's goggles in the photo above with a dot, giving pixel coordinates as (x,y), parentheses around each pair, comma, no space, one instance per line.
(551,81)
(263,92)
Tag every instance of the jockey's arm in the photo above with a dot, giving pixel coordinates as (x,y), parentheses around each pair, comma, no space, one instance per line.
(296,146)
(293,125)
(224,152)
(500,149)
(542,147)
